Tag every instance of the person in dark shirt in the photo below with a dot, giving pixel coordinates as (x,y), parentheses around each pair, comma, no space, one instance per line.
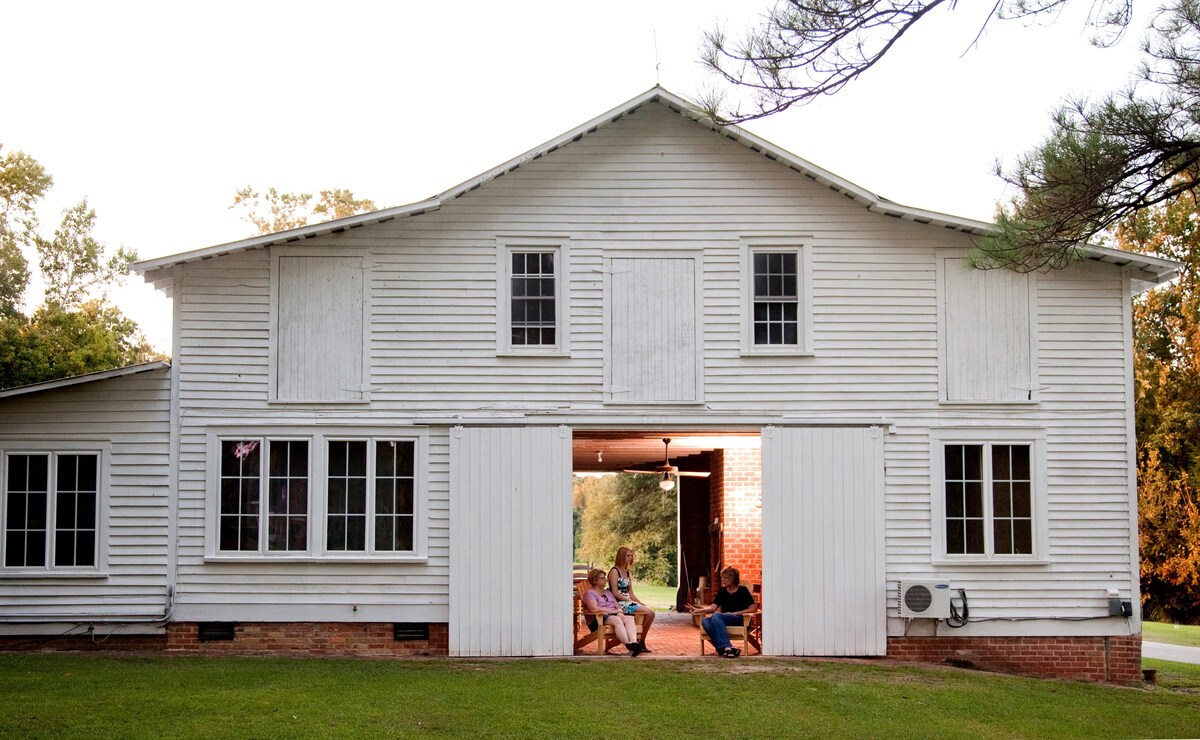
(731,602)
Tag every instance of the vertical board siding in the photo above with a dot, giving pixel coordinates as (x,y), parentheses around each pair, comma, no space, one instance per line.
(823,572)
(653,331)
(319,322)
(510,548)
(130,414)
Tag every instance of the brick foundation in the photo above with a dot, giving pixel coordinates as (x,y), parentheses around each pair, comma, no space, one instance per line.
(1112,659)
(364,640)
(85,643)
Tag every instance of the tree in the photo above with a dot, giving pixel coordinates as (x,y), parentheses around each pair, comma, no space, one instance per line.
(804,49)
(74,331)
(1167,380)
(629,510)
(285,211)
(1102,161)
(23,182)
(73,262)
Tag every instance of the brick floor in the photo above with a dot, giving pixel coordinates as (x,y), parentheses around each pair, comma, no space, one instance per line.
(673,635)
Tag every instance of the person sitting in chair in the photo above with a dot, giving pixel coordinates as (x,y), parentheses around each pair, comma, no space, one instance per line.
(731,601)
(599,603)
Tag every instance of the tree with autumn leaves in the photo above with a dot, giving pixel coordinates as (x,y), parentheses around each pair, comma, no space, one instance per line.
(1167,380)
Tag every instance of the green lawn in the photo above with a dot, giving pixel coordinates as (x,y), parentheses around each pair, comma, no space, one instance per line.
(89,696)
(658,597)
(1175,634)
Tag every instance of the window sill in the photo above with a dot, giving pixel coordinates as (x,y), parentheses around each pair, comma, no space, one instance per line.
(1029,404)
(256,558)
(796,352)
(356,402)
(532,353)
(39,574)
(996,561)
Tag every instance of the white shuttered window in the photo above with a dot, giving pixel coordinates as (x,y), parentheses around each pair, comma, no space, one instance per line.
(987,346)
(319,330)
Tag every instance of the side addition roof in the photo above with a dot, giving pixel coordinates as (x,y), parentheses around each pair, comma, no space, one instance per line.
(1148,270)
(46,385)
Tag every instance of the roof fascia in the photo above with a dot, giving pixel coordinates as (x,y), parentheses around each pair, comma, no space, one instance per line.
(1153,268)
(291,235)
(47,385)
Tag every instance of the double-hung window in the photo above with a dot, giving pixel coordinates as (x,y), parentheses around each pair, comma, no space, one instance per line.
(775,303)
(532,296)
(987,499)
(316,496)
(52,509)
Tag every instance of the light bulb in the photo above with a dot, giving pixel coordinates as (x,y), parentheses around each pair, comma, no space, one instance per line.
(666,483)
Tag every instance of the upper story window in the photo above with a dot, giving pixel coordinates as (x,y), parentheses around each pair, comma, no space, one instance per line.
(322,496)
(988,502)
(776,306)
(987,342)
(531,315)
(319,321)
(776,298)
(52,504)
(533,299)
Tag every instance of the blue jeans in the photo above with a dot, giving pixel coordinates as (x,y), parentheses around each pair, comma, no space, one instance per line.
(715,625)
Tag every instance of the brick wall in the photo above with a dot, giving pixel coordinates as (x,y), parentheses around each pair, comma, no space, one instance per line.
(1114,659)
(369,639)
(736,496)
(85,642)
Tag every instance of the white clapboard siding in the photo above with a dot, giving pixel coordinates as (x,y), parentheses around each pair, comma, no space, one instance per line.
(654,183)
(652,333)
(129,415)
(510,548)
(824,578)
(320,329)
(988,333)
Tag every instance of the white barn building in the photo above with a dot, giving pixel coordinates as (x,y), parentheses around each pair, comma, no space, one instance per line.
(368,428)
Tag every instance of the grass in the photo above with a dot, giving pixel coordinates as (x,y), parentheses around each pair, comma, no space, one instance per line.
(1174,634)
(657,597)
(1183,677)
(87,696)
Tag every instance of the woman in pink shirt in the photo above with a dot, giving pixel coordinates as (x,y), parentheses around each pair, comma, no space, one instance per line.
(598,602)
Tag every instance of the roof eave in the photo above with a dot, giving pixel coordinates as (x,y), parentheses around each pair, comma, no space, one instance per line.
(46,385)
(291,235)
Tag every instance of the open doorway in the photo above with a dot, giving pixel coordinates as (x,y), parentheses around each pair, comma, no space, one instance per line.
(717,518)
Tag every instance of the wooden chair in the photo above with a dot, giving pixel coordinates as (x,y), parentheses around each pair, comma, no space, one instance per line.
(602,630)
(749,632)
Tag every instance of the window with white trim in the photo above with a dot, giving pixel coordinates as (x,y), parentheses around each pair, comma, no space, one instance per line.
(336,496)
(775,302)
(371,496)
(245,524)
(531,314)
(986,495)
(51,510)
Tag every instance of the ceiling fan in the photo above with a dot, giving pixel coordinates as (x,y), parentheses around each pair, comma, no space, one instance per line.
(666,470)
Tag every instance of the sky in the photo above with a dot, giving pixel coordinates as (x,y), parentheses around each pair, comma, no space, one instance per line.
(157,112)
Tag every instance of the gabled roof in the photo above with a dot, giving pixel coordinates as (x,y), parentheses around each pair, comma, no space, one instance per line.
(46,385)
(1152,270)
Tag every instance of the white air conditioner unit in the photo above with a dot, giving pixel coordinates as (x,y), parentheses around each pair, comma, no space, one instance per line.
(925,599)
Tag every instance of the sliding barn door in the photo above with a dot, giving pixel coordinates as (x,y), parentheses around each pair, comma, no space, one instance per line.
(823,543)
(510,541)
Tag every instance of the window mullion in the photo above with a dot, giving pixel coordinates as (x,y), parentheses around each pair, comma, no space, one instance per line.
(264,493)
(370,506)
(989,520)
(51,508)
